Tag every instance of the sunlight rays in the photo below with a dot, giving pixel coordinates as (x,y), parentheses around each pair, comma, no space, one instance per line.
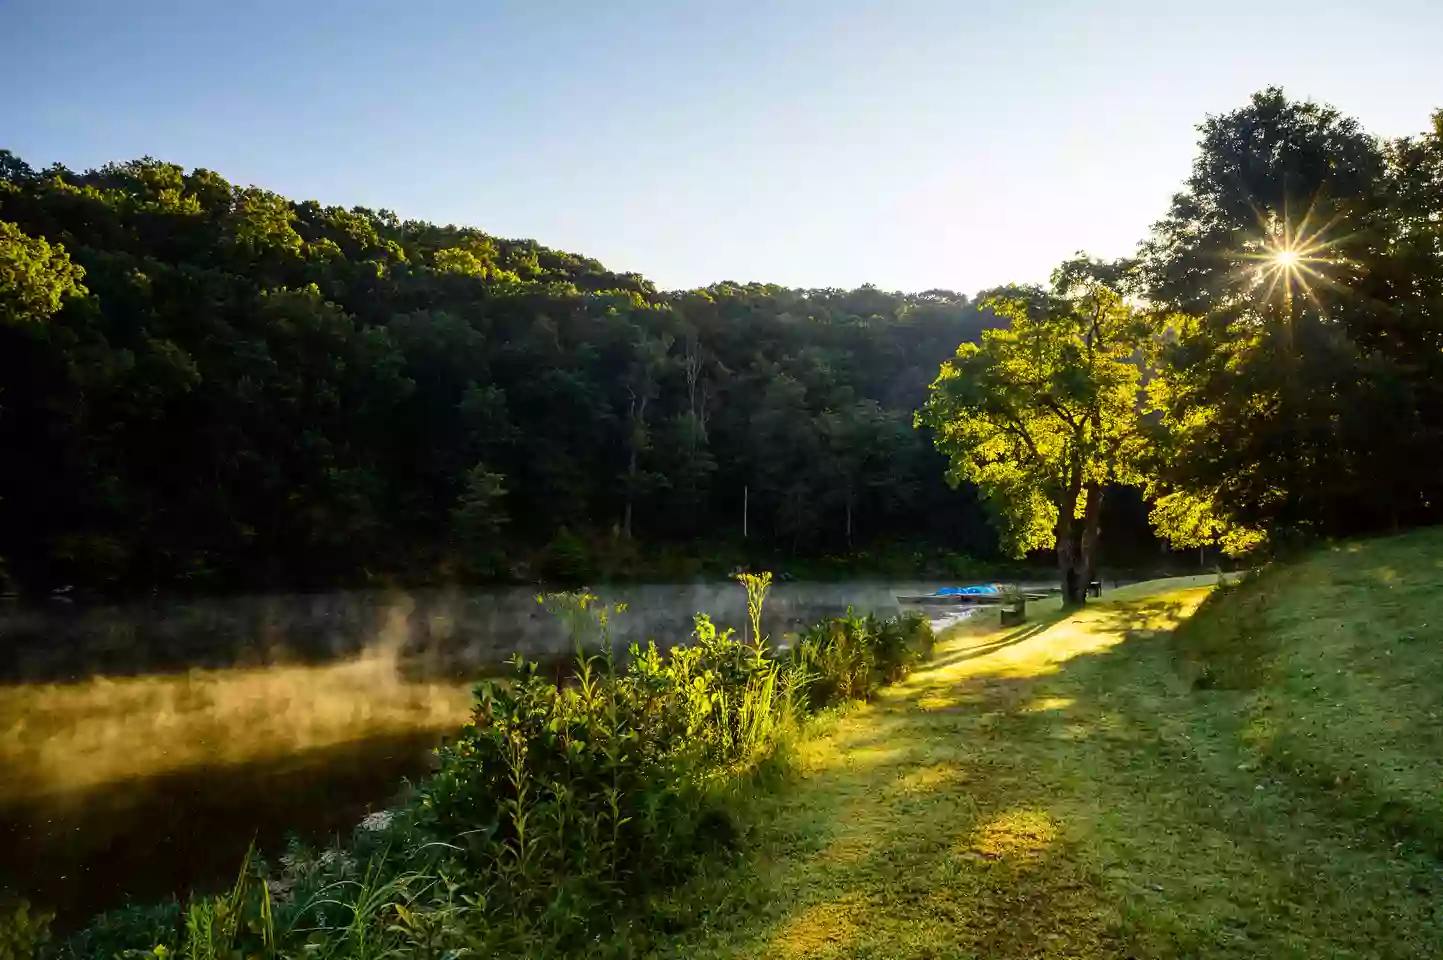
(1292,259)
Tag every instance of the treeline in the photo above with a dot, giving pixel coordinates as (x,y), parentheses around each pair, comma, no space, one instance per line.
(213,386)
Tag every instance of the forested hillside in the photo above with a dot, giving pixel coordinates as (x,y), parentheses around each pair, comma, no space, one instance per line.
(214,386)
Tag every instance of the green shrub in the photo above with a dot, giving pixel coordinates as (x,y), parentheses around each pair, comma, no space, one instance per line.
(611,783)
(131,930)
(848,658)
(23,931)
(568,558)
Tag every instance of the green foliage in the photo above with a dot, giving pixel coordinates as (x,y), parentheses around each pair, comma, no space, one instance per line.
(23,930)
(250,391)
(757,585)
(477,519)
(612,782)
(1189,520)
(848,658)
(132,931)
(35,277)
(1287,388)
(568,558)
(1043,408)
(1045,413)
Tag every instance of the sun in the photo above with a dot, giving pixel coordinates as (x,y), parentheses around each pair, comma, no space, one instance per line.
(1287,259)
(1292,257)
(1290,264)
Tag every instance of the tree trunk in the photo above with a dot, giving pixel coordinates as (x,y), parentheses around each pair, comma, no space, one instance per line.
(1091,532)
(1074,582)
(1069,555)
(1070,551)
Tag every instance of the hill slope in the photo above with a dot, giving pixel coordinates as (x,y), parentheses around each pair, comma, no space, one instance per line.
(1339,663)
(229,389)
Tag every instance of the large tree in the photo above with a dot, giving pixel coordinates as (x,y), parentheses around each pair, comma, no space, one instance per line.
(1270,407)
(1044,414)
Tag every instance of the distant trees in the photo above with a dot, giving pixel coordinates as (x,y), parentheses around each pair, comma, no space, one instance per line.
(212,385)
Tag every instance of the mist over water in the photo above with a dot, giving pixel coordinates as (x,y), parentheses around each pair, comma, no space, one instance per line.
(145,745)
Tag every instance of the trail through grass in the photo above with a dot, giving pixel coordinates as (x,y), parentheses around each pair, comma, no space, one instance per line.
(1071,789)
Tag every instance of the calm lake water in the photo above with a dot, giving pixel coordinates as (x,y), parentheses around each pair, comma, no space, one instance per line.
(145,746)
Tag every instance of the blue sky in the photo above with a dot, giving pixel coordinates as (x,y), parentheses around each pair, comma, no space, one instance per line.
(907,144)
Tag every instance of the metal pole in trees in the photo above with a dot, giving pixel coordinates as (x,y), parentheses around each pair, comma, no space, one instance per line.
(746,496)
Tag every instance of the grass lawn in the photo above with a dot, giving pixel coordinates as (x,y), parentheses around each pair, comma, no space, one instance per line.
(1262,782)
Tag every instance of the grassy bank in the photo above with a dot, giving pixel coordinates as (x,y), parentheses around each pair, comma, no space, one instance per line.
(1261,782)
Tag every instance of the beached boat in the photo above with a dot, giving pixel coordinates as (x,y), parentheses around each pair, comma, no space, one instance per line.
(985,593)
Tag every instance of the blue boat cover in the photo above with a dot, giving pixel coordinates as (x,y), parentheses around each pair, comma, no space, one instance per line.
(982,589)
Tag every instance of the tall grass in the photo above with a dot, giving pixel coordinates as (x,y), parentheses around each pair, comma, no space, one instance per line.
(563,804)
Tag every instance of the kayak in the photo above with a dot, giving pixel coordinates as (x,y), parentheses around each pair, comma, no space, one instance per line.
(976,593)
(979,590)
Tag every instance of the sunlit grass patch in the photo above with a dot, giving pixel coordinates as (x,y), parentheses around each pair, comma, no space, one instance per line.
(933,776)
(822,930)
(1046,704)
(1017,834)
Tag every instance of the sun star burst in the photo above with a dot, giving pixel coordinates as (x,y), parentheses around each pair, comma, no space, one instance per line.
(1294,258)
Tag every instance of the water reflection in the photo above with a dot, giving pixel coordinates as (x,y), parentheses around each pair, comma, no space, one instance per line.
(149,837)
(61,738)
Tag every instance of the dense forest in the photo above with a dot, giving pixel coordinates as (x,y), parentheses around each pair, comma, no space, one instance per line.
(213,386)
(223,388)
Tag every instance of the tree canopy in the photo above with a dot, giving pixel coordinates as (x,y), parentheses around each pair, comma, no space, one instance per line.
(1285,316)
(1044,414)
(214,386)
(1307,255)
(250,391)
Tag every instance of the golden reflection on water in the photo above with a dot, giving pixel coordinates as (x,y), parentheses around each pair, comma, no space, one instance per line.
(148,786)
(56,739)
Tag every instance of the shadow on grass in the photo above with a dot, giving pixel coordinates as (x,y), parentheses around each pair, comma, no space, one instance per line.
(1019,635)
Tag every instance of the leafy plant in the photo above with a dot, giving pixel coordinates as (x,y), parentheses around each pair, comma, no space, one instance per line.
(848,658)
(23,930)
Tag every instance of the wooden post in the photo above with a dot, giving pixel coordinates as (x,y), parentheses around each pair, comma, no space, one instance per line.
(1014,612)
